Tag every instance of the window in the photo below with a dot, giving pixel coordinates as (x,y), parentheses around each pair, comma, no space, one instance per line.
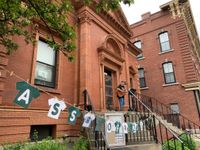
(175,108)
(138,44)
(141,77)
(46,65)
(168,73)
(164,41)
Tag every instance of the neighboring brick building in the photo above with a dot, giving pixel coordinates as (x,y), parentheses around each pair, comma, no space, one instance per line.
(104,57)
(167,71)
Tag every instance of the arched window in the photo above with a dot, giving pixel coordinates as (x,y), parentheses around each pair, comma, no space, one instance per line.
(142,77)
(138,44)
(164,42)
(168,71)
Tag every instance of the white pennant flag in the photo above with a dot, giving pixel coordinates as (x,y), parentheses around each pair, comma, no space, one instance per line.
(56,107)
(88,118)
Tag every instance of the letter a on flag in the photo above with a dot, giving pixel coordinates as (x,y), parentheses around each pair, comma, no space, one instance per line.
(26,94)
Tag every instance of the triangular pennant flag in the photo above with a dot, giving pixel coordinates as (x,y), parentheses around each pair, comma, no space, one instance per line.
(88,118)
(99,123)
(26,94)
(73,114)
(56,107)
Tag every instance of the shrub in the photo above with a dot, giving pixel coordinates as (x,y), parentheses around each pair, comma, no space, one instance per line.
(43,145)
(17,146)
(81,144)
(189,143)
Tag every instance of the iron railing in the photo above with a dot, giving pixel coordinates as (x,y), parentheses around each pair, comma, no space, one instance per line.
(176,118)
(146,128)
(156,126)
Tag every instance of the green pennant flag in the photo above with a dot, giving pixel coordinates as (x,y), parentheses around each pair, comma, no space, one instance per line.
(73,114)
(26,94)
(99,123)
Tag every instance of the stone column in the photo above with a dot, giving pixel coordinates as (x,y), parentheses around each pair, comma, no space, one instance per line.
(84,48)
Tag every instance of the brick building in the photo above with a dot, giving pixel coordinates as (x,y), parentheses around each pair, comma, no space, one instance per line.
(104,57)
(166,68)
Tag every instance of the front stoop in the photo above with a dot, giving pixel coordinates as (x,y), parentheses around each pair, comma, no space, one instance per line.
(140,147)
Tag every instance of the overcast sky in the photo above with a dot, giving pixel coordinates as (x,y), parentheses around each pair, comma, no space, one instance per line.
(134,12)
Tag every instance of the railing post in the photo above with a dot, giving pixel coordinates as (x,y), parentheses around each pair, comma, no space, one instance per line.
(129,102)
(182,144)
(155,131)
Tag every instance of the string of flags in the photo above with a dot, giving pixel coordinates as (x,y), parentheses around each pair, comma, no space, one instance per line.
(27,93)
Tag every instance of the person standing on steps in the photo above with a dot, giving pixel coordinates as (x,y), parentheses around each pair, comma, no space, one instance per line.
(121,91)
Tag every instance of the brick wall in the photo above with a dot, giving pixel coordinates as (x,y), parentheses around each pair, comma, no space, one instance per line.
(147,31)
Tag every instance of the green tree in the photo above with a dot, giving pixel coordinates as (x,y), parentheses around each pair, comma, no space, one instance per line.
(17,15)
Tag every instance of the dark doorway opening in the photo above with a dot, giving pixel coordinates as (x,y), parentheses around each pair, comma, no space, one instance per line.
(108,89)
(39,132)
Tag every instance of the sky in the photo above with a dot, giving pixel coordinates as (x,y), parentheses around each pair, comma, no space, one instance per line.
(134,12)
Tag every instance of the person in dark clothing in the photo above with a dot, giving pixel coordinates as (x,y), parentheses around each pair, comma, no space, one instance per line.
(121,91)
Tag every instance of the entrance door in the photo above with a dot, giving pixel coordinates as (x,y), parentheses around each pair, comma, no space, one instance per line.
(109,89)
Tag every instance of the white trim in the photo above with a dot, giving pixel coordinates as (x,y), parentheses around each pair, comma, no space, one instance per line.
(170,84)
(144,88)
(168,51)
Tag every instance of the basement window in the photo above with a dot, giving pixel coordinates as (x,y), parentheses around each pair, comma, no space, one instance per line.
(40,132)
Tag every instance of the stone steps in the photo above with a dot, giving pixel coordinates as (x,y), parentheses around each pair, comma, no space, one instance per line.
(151,146)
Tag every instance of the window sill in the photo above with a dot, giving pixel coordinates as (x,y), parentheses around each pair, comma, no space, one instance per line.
(141,58)
(170,84)
(49,90)
(171,50)
(144,88)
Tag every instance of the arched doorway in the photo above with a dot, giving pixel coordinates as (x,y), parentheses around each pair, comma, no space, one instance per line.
(111,64)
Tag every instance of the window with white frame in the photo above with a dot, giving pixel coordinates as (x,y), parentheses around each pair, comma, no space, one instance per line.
(142,77)
(164,42)
(168,71)
(45,73)
(138,44)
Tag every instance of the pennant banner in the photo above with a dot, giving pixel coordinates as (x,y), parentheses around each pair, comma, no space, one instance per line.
(88,118)
(73,114)
(99,123)
(26,94)
(56,107)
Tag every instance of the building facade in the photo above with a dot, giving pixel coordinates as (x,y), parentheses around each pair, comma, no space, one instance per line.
(104,57)
(166,65)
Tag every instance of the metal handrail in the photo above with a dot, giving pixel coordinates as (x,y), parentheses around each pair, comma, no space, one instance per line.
(160,107)
(171,109)
(171,131)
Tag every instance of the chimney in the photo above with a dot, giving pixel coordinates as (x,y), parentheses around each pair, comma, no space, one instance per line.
(146,15)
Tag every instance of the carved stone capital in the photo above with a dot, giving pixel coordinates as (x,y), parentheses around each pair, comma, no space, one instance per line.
(84,17)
